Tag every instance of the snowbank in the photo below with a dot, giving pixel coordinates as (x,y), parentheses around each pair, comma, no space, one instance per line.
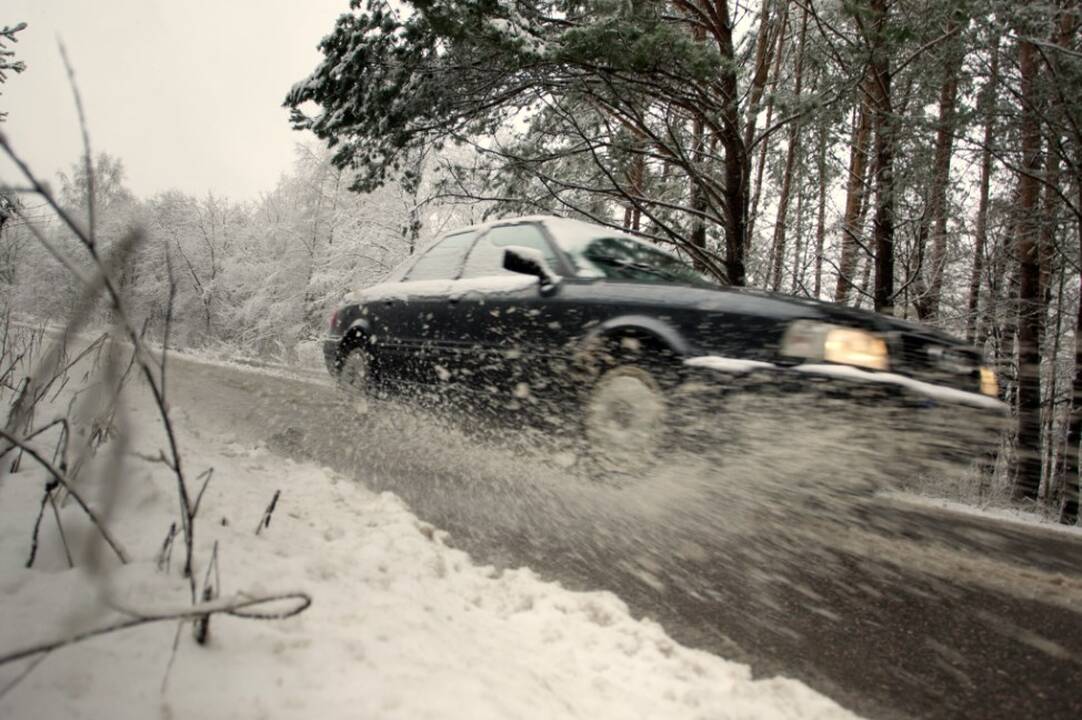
(402,625)
(1017,516)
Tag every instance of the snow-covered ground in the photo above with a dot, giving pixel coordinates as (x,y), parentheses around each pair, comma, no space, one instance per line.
(1011,515)
(401,625)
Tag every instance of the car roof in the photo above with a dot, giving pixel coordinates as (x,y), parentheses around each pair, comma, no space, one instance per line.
(501,221)
(570,234)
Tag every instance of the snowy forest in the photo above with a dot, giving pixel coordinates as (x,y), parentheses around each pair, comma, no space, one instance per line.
(919,158)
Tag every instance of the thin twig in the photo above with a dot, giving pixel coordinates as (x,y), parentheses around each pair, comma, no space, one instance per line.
(61,478)
(43,191)
(37,526)
(44,241)
(62,422)
(30,667)
(173,653)
(165,555)
(201,626)
(237,606)
(206,475)
(60,530)
(213,565)
(88,158)
(168,321)
(264,522)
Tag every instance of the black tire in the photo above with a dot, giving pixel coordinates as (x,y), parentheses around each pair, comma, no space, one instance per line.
(354,371)
(626,417)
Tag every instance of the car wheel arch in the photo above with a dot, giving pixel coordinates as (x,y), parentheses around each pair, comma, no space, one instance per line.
(356,335)
(651,329)
(619,334)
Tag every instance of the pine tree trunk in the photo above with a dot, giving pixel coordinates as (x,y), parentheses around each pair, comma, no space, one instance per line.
(928,305)
(884,162)
(799,246)
(1049,421)
(774,75)
(1072,486)
(1028,478)
(980,240)
(736,157)
(791,152)
(698,156)
(782,217)
(1072,481)
(820,219)
(637,181)
(698,197)
(865,280)
(764,44)
(854,197)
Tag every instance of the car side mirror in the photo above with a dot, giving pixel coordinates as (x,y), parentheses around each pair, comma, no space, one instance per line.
(529,261)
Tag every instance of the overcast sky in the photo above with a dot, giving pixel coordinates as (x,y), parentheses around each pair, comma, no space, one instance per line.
(187,93)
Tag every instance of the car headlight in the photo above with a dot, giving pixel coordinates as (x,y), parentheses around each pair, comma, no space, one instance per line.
(823,342)
(989,382)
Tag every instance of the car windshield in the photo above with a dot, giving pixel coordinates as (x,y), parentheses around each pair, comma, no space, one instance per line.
(620,258)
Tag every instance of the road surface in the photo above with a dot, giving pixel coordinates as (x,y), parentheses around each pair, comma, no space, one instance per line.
(896,610)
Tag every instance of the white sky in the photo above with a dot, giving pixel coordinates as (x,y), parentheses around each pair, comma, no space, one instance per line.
(187,93)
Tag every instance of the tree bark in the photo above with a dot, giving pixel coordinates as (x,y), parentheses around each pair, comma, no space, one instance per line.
(799,246)
(775,73)
(1068,511)
(791,152)
(820,219)
(1048,423)
(854,197)
(698,156)
(637,180)
(980,240)
(736,156)
(764,43)
(1072,480)
(884,123)
(928,305)
(1028,479)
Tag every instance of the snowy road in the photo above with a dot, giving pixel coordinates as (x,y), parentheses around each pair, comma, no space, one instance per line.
(893,609)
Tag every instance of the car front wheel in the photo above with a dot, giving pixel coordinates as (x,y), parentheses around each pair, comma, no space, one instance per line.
(625,419)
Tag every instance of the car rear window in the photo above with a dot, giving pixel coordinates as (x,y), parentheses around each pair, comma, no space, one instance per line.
(443,259)
(486,258)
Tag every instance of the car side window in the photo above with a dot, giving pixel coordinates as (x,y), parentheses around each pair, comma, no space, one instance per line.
(443,260)
(486,258)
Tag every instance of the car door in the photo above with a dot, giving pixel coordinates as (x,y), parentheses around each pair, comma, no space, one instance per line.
(415,324)
(511,337)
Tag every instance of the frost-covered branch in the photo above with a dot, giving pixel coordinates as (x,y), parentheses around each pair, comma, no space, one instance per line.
(238,606)
(62,478)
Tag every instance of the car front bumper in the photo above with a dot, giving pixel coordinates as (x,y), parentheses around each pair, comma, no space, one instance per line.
(921,425)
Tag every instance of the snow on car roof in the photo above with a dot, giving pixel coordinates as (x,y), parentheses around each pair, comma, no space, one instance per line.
(571,235)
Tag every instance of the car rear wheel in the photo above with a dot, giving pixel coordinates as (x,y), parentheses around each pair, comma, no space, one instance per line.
(354,373)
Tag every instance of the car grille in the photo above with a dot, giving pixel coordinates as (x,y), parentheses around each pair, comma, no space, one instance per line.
(934,360)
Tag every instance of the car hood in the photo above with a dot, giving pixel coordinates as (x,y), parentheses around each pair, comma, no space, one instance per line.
(790,307)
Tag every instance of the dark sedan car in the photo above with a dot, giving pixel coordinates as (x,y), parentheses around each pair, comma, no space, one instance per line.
(547,312)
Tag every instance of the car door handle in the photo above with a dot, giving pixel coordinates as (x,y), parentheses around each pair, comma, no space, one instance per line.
(453,300)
